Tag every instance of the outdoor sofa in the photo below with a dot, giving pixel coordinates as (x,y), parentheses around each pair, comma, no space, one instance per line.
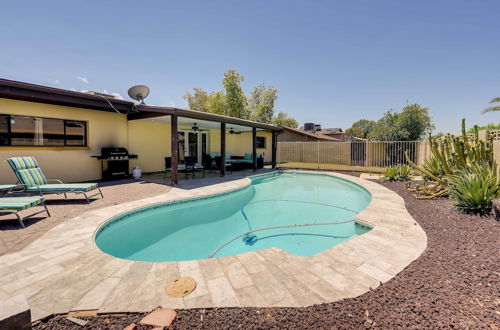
(245,161)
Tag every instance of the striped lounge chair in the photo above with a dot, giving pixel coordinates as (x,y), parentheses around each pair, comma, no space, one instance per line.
(33,180)
(14,205)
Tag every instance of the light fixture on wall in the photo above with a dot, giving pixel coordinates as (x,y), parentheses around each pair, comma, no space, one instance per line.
(231,131)
(195,127)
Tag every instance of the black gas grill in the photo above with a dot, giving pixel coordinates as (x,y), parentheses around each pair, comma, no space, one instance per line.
(115,163)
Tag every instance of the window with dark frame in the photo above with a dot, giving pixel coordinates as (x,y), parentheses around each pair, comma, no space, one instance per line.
(261,142)
(26,131)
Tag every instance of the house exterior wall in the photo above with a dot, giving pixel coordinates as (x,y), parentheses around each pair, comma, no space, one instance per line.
(496,152)
(147,139)
(104,129)
(151,142)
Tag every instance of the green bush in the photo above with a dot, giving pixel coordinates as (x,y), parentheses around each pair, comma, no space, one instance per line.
(474,189)
(397,173)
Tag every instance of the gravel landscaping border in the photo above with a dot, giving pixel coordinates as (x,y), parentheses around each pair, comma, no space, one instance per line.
(454,283)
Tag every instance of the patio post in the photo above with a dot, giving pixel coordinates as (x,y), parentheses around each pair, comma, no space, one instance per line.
(274,149)
(174,151)
(222,149)
(254,148)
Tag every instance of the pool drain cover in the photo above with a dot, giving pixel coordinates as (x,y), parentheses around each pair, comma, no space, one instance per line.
(181,287)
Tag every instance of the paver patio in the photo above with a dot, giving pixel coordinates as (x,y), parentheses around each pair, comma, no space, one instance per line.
(65,263)
(13,239)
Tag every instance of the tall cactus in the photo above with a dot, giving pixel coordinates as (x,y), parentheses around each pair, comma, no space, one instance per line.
(453,153)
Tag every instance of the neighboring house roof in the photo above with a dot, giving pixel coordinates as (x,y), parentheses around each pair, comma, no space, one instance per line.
(310,134)
(335,130)
(18,90)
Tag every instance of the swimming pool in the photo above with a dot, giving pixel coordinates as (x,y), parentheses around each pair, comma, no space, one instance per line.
(239,221)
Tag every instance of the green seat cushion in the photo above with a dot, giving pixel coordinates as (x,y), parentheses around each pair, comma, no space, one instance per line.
(19,203)
(64,187)
(27,170)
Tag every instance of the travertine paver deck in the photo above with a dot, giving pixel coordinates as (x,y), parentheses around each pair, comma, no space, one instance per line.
(13,239)
(64,271)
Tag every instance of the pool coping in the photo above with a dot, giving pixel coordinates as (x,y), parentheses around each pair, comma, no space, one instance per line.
(65,263)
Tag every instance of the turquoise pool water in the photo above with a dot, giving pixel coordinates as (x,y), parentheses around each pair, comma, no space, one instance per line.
(194,229)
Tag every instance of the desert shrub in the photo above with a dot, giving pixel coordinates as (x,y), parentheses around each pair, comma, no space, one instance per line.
(473,189)
(397,173)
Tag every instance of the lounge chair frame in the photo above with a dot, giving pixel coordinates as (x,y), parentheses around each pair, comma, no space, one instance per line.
(21,219)
(37,186)
(84,193)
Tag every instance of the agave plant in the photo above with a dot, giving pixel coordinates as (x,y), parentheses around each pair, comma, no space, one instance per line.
(431,165)
(474,189)
(397,173)
(391,173)
(404,172)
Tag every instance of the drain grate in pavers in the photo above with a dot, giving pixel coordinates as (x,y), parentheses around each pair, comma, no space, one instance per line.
(181,287)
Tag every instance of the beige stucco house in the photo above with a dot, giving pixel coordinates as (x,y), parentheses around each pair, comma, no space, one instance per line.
(64,129)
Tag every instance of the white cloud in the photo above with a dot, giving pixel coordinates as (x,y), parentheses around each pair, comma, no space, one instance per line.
(82,79)
(172,103)
(73,89)
(54,81)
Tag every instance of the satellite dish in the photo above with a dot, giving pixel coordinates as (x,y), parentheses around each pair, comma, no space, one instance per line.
(138,92)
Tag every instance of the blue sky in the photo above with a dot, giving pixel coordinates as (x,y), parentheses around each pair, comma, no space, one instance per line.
(334,62)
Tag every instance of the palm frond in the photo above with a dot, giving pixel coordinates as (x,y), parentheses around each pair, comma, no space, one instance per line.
(495,100)
(490,109)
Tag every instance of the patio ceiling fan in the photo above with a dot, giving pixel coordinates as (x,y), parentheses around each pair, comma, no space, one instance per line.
(232,131)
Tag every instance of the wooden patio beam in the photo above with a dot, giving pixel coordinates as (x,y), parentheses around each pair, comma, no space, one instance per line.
(174,147)
(274,148)
(222,149)
(254,148)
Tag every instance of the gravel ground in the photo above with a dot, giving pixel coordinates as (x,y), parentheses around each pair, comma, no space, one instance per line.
(454,284)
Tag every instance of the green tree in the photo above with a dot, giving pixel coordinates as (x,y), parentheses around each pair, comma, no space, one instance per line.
(198,100)
(261,103)
(490,126)
(495,107)
(411,124)
(233,102)
(282,119)
(235,97)
(414,122)
(386,128)
(216,103)
(361,128)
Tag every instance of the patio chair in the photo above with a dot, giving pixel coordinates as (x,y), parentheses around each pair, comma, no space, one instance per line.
(14,205)
(168,166)
(31,177)
(190,166)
